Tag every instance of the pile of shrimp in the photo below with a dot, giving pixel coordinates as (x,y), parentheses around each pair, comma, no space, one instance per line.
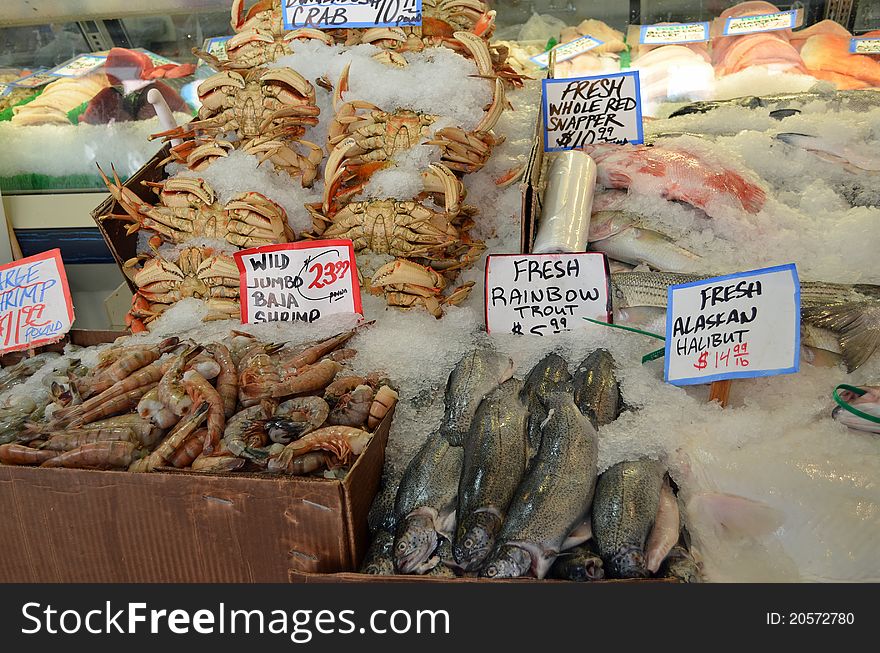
(238,404)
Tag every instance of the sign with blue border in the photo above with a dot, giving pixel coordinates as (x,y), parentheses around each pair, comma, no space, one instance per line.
(862,45)
(734,326)
(674,33)
(338,14)
(737,25)
(600,109)
(566,51)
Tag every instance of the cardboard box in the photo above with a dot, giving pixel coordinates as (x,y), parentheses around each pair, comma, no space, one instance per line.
(77,525)
(122,245)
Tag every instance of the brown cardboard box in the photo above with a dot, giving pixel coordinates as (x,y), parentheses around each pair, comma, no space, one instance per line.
(123,246)
(76,525)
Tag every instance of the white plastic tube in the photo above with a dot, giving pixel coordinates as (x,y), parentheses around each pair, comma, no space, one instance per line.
(163,112)
(564,226)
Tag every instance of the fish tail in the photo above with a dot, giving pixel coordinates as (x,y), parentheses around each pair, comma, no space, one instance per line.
(857,325)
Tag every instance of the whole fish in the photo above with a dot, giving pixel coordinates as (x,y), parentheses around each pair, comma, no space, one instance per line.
(851,312)
(858,101)
(379,561)
(495,457)
(552,499)
(596,391)
(849,157)
(473,377)
(675,173)
(621,237)
(666,529)
(580,564)
(549,375)
(445,560)
(425,504)
(867,403)
(680,564)
(624,510)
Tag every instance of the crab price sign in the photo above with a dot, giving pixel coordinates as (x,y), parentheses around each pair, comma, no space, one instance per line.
(298,282)
(337,14)
(582,111)
(35,304)
(734,327)
(545,294)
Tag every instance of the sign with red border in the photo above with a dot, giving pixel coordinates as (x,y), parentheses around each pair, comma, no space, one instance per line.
(298,282)
(35,304)
(545,294)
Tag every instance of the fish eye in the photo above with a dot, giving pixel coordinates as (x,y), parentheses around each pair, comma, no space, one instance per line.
(491,571)
(401,546)
(468,543)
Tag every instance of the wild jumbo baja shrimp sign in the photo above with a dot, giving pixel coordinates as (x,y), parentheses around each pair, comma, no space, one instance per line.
(733,327)
(582,111)
(336,14)
(298,282)
(545,294)
(35,304)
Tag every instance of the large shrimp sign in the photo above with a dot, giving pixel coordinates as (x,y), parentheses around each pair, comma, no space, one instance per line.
(35,304)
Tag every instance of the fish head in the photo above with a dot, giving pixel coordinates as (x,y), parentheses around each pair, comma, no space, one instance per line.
(382,566)
(585,568)
(867,403)
(415,542)
(476,537)
(628,562)
(507,562)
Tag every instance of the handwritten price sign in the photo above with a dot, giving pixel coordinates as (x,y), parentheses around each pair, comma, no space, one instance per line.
(545,294)
(865,45)
(336,14)
(733,327)
(298,282)
(582,111)
(35,305)
(761,23)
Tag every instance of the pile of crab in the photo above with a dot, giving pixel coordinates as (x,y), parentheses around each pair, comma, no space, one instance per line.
(236,404)
(188,210)
(427,235)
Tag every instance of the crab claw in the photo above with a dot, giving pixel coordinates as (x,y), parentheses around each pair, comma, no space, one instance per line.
(341,87)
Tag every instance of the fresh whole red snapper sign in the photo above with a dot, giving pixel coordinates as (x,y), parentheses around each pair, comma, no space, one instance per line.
(298,282)
(35,304)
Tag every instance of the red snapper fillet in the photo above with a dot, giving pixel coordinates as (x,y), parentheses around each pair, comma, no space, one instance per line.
(675,174)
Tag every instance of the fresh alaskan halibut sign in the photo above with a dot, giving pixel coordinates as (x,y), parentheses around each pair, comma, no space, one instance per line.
(735,326)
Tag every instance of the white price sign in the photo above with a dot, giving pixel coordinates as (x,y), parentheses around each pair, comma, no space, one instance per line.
(298,282)
(566,51)
(733,327)
(865,45)
(35,304)
(338,14)
(544,294)
(582,111)
(674,33)
(761,23)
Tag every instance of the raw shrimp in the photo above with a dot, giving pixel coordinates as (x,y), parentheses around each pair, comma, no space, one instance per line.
(309,354)
(300,465)
(199,389)
(98,455)
(74,438)
(170,390)
(308,379)
(258,374)
(205,364)
(18,454)
(342,354)
(127,364)
(227,377)
(386,398)
(189,450)
(173,440)
(116,405)
(217,464)
(343,442)
(238,437)
(311,412)
(353,408)
(342,386)
(150,407)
